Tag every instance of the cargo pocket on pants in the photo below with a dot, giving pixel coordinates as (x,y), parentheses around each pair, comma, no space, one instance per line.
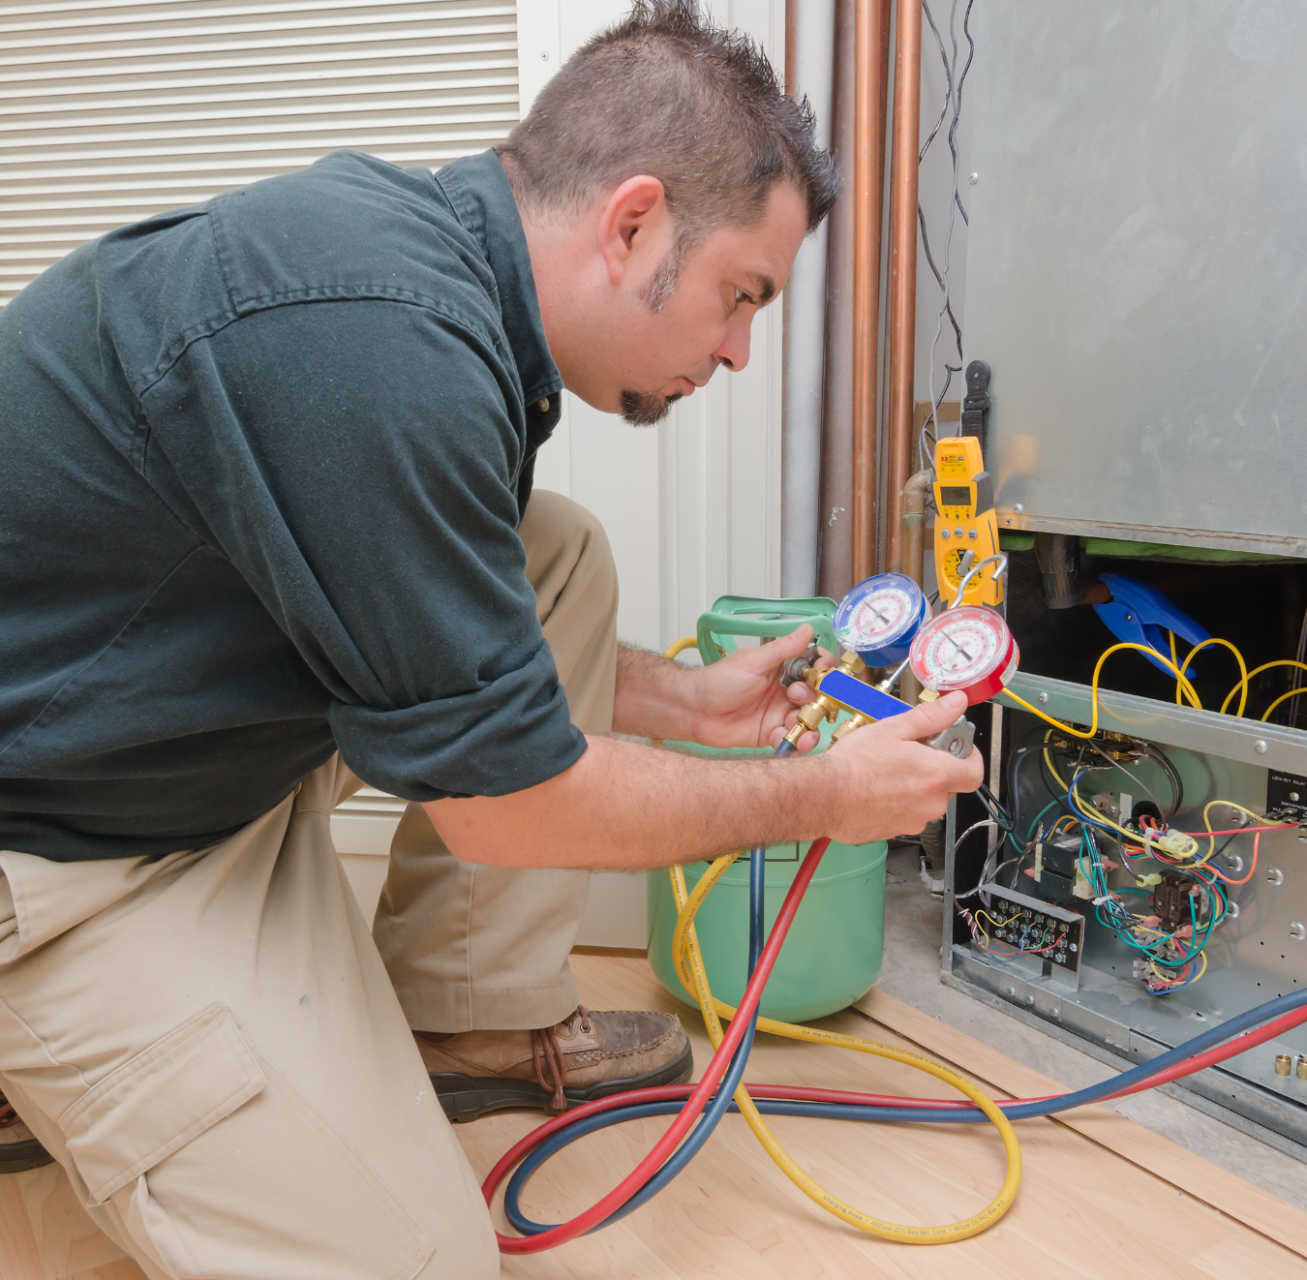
(225,1170)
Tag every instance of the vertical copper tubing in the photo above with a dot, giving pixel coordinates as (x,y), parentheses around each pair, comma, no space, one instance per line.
(870,17)
(903,271)
(835,569)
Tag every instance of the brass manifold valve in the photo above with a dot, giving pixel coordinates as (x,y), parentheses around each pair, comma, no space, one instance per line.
(847,687)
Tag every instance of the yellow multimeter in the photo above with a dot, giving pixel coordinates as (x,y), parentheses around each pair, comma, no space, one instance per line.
(964,501)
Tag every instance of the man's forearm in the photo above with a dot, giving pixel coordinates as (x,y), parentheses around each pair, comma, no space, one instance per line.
(624,805)
(654,696)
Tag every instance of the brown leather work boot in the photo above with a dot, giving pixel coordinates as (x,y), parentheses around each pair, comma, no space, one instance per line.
(19,1148)
(587,1056)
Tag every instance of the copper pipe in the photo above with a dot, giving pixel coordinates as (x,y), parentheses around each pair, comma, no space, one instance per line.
(835,571)
(870,19)
(914,556)
(903,270)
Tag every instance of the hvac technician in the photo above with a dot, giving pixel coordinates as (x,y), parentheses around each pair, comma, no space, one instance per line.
(267,530)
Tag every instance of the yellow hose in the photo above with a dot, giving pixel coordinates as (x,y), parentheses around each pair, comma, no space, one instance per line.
(690,968)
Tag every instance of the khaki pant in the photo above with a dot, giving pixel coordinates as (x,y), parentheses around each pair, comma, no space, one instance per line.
(210,1043)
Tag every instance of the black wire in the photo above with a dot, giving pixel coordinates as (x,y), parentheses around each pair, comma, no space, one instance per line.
(957,114)
(948,82)
(1172,773)
(955,100)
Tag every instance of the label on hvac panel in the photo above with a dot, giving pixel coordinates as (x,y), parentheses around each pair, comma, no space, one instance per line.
(1286,796)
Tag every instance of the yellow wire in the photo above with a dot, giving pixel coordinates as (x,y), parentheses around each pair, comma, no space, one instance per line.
(1243,670)
(1284,697)
(690,968)
(1189,691)
(1266,666)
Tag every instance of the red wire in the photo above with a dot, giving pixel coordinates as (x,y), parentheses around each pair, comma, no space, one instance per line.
(698,1095)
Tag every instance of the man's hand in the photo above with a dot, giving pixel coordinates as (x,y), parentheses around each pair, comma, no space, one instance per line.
(739,701)
(890,781)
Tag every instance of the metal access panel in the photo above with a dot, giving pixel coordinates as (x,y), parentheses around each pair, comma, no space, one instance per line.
(1137,267)
(1257,953)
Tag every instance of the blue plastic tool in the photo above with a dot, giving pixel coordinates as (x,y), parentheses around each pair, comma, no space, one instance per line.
(1144,615)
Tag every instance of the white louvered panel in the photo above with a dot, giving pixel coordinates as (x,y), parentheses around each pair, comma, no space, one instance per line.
(110,112)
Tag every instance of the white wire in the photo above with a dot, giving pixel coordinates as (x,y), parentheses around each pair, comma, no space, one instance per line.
(1001,558)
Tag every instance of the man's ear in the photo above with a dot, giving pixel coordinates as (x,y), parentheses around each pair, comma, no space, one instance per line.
(632,216)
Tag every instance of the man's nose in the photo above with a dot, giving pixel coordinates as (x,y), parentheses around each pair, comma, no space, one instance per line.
(734,349)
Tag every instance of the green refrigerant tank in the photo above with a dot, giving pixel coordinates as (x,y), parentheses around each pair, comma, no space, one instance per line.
(832,955)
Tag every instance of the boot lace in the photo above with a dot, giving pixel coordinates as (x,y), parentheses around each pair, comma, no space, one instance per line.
(548,1058)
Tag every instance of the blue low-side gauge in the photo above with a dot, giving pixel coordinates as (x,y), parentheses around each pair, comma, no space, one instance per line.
(879,617)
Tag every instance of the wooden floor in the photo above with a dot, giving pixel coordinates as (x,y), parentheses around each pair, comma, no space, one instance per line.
(1103,1199)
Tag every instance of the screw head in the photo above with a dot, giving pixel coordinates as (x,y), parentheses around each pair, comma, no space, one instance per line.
(1293,795)
(1018,507)
(1260,746)
(975,177)
(544,55)
(1043,699)
(1298,931)
(1030,999)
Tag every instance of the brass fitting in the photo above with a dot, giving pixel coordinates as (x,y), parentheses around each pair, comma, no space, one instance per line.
(821,708)
(855,721)
(1302,1067)
(1283,1064)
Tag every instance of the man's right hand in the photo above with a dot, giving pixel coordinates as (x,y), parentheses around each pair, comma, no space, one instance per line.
(890,782)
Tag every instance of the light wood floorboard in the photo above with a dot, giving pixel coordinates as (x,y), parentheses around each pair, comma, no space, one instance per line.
(1085,1210)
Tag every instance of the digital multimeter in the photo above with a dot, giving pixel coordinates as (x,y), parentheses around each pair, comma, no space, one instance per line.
(965,520)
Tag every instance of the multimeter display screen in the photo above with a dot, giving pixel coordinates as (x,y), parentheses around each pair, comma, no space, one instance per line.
(955,495)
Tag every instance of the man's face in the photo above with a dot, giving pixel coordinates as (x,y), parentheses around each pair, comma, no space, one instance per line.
(652,357)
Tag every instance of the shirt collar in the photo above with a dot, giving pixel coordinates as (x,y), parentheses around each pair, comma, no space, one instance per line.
(478,191)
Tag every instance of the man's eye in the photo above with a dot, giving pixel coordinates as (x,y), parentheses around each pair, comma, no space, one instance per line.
(741,296)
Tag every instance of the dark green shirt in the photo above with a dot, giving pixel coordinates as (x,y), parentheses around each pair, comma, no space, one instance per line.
(262,462)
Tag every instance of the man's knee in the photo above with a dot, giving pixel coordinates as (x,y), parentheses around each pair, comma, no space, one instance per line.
(568,554)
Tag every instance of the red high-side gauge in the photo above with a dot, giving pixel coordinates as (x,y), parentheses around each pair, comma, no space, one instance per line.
(968,648)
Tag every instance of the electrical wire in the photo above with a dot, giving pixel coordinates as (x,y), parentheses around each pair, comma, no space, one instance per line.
(1256,671)
(1093,689)
(954,82)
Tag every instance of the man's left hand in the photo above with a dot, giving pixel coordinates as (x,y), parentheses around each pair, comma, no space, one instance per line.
(739,701)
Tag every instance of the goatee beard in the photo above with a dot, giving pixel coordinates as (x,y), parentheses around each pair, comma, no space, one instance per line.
(642,410)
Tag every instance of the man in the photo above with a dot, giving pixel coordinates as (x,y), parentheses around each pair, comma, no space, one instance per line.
(268,530)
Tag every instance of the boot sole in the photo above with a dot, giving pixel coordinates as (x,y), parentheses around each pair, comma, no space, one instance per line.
(16,1157)
(466,1097)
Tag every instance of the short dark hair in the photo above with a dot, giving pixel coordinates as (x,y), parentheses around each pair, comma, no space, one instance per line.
(666,93)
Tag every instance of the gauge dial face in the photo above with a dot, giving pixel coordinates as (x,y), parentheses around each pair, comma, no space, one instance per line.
(879,612)
(968,648)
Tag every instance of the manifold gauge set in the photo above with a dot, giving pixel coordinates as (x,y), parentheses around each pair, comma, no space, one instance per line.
(887,618)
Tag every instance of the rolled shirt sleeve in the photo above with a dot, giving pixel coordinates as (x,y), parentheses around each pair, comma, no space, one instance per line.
(365,486)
